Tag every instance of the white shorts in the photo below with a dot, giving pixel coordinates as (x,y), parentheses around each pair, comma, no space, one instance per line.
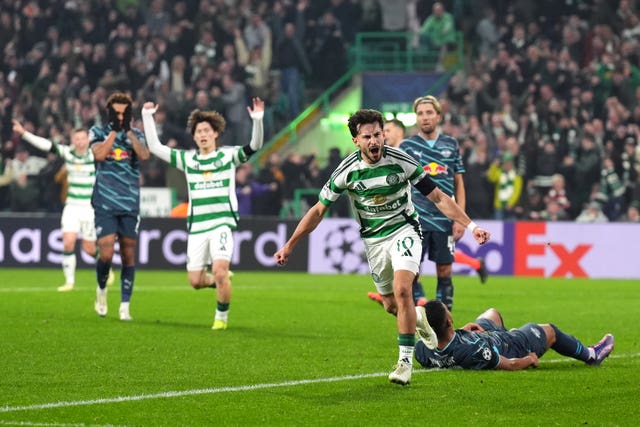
(399,251)
(79,219)
(204,248)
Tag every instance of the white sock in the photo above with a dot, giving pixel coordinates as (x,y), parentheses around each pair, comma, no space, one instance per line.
(592,353)
(222,315)
(69,267)
(406,354)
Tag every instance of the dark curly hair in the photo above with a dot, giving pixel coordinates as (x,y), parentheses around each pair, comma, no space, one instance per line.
(214,118)
(119,98)
(364,117)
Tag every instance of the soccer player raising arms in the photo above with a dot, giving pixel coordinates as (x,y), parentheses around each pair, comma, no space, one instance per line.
(77,215)
(376,179)
(213,207)
(118,149)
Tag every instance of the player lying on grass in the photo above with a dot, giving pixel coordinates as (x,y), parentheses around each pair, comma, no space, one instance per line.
(486,344)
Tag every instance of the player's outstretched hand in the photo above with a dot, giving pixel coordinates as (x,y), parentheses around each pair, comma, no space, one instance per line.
(282,256)
(149,108)
(257,112)
(481,235)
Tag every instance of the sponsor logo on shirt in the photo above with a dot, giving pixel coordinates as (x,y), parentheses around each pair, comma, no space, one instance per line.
(118,155)
(434,169)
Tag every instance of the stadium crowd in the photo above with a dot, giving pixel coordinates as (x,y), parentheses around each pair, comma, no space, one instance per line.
(547,109)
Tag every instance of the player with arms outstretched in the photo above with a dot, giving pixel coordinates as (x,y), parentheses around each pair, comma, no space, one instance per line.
(377,180)
(77,215)
(213,206)
(118,149)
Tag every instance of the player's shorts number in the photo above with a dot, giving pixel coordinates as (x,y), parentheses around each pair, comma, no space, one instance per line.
(405,245)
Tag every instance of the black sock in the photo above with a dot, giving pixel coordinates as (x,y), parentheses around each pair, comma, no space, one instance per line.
(126,282)
(418,290)
(569,346)
(102,273)
(444,291)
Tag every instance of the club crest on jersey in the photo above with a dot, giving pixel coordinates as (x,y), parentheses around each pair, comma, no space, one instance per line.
(446,153)
(217,163)
(118,155)
(434,169)
(393,179)
(379,199)
(486,353)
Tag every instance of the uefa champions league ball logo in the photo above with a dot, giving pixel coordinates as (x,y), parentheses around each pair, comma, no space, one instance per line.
(344,250)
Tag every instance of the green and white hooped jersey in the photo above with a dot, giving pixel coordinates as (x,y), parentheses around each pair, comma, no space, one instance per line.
(379,193)
(212,186)
(81,175)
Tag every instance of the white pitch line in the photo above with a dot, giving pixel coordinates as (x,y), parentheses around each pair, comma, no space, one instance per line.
(252,387)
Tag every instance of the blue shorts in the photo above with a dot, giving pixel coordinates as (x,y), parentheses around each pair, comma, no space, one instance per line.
(439,245)
(527,338)
(122,224)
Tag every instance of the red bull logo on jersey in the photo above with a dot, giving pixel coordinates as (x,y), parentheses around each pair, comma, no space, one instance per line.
(434,169)
(118,155)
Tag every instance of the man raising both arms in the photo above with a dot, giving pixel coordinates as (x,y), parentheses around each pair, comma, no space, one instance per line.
(77,215)
(376,179)
(118,149)
(213,207)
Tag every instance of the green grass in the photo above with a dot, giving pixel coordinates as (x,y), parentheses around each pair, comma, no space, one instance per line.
(300,350)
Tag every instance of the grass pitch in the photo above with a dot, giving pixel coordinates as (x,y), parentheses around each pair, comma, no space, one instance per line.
(300,350)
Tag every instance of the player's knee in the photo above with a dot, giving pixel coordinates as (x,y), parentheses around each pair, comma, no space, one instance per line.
(197,279)
(220,275)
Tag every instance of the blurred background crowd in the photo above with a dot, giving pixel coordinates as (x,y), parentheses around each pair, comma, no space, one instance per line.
(546,108)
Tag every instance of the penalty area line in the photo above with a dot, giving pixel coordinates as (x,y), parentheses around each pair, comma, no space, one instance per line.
(252,387)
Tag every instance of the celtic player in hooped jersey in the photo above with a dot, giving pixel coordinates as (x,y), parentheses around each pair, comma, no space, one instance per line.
(376,179)
(213,207)
(77,215)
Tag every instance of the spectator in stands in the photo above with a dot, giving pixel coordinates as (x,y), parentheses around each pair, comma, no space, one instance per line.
(271,173)
(438,30)
(508,186)
(592,213)
(488,35)
(558,193)
(611,191)
(293,63)
(247,189)
(633,212)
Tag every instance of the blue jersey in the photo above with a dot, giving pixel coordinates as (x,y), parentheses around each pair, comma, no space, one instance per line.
(441,160)
(117,187)
(482,350)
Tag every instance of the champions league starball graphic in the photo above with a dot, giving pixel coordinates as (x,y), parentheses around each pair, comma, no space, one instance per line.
(338,248)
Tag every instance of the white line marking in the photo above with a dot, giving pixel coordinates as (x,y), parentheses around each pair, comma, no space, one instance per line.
(253,387)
